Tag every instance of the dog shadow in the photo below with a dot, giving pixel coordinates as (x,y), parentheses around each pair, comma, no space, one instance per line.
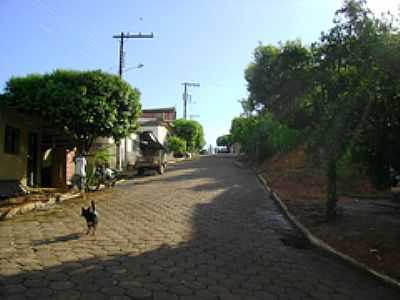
(59,239)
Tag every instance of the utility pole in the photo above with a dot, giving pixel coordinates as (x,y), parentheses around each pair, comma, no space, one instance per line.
(185,95)
(122,36)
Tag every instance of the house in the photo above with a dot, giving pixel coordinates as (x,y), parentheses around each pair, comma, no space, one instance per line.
(124,155)
(166,115)
(158,121)
(20,151)
(32,153)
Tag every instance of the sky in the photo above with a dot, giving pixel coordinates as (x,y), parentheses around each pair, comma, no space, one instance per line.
(209,42)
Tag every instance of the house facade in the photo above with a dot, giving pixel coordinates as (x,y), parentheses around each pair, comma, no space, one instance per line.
(123,155)
(20,151)
(166,114)
(158,121)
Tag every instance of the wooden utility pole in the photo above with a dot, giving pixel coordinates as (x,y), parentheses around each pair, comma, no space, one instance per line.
(121,38)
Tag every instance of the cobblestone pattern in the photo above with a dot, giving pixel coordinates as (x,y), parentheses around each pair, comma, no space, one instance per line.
(203,230)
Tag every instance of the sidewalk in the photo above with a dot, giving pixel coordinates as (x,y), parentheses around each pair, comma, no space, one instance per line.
(38,198)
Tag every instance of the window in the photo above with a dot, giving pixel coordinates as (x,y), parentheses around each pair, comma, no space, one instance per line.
(11,140)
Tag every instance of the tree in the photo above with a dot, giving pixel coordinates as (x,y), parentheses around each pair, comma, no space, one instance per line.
(343,93)
(224,141)
(378,142)
(84,105)
(278,79)
(190,131)
(176,144)
(345,86)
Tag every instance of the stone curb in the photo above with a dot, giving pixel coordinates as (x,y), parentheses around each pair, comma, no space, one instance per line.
(324,246)
(27,207)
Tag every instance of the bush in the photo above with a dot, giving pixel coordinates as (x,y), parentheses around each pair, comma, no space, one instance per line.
(176,144)
(262,136)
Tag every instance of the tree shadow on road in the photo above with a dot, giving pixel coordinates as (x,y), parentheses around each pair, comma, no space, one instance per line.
(233,253)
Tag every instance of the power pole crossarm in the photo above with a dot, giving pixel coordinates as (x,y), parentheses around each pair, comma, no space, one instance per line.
(134,35)
(122,36)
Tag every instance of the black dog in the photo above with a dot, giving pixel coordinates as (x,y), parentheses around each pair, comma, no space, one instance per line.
(91,217)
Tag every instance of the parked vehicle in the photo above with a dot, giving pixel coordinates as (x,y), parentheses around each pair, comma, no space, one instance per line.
(203,152)
(152,154)
(105,176)
(223,149)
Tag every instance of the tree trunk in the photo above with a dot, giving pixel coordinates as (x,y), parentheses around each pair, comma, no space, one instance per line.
(331,190)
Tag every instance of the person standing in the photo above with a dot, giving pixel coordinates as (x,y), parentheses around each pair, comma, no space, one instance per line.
(80,171)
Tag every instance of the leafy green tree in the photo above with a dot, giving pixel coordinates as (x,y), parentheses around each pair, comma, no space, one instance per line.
(190,131)
(278,79)
(224,141)
(342,92)
(261,136)
(242,130)
(83,105)
(176,144)
(378,142)
(248,107)
(348,87)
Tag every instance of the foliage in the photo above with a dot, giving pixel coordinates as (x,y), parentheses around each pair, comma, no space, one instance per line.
(347,95)
(277,80)
(342,92)
(85,105)
(262,136)
(99,157)
(190,131)
(224,140)
(176,144)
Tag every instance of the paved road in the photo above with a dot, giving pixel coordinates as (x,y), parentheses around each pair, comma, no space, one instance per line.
(203,230)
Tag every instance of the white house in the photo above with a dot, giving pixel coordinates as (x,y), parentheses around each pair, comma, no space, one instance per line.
(124,155)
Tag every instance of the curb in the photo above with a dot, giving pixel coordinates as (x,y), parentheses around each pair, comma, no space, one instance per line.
(27,207)
(324,246)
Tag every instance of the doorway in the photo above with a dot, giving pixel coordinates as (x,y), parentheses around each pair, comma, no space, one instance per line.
(32,164)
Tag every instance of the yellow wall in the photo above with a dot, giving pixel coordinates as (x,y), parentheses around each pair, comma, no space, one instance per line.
(14,167)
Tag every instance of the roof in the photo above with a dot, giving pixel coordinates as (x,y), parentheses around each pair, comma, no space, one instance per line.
(161,109)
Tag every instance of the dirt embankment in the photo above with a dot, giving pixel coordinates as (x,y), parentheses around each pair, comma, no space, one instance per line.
(368,225)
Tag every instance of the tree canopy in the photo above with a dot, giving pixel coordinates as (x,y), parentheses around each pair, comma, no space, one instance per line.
(342,92)
(224,140)
(176,144)
(190,131)
(84,105)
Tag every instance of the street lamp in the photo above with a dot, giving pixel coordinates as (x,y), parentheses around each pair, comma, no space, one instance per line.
(139,66)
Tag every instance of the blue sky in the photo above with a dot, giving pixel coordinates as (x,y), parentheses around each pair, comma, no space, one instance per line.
(209,42)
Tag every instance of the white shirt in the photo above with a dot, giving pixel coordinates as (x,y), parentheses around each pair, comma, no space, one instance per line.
(80,166)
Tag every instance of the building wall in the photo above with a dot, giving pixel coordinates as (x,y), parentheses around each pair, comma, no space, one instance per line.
(132,151)
(128,157)
(14,166)
(167,115)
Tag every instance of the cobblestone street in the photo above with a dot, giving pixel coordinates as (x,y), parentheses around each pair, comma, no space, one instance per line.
(203,230)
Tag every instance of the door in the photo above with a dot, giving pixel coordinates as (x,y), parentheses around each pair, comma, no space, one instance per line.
(32,165)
